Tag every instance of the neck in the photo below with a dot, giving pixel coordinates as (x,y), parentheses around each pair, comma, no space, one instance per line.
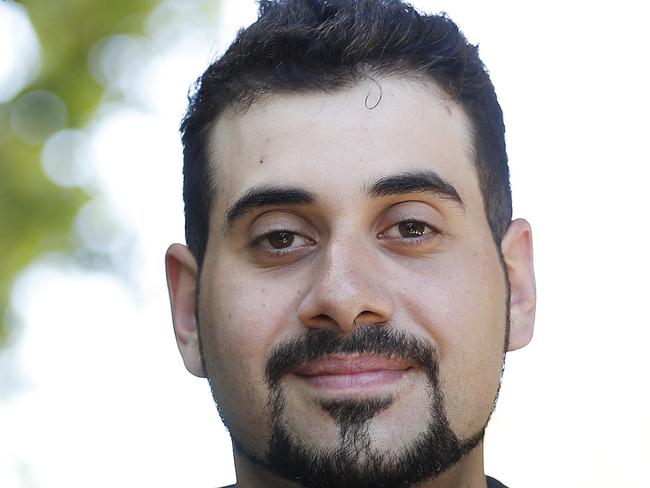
(467,473)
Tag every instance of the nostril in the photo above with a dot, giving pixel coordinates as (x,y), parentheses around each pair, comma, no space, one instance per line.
(322,321)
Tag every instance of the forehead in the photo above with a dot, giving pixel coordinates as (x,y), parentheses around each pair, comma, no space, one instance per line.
(336,144)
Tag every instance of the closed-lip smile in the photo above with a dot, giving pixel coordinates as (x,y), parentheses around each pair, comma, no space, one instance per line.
(352,372)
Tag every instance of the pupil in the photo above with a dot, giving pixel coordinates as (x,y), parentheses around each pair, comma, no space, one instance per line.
(411,229)
(280,240)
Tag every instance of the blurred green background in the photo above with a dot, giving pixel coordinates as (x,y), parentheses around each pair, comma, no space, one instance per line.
(37,214)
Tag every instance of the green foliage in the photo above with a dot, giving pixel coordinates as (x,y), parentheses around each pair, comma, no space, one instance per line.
(36,215)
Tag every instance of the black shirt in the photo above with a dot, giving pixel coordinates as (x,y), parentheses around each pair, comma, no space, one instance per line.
(492,483)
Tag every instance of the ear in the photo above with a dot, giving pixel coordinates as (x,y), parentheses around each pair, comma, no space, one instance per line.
(517,249)
(182,275)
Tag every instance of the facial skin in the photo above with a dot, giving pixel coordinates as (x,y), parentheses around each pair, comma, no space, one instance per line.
(356,218)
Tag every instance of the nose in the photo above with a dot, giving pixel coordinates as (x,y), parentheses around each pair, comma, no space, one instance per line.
(346,290)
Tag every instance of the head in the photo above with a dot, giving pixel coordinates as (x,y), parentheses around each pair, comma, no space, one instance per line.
(352,278)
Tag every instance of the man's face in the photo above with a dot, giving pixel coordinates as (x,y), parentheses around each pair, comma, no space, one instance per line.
(351,294)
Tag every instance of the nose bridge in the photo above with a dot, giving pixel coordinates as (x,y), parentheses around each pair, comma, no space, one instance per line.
(345,266)
(346,287)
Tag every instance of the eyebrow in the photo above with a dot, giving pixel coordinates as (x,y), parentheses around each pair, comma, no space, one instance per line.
(264,196)
(421,181)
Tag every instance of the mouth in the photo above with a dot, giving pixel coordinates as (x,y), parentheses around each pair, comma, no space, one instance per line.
(349,374)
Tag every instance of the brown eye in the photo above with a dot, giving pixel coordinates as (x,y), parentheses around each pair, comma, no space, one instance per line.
(412,228)
(280,239)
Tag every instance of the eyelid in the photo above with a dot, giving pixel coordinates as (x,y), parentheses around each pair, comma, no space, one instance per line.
(274,221)
(259,240)
(278,221)
(412,210)
(433,230)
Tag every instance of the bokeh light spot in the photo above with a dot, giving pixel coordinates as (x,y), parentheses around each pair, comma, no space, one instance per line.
(67,159)
(37,115)
(19,50)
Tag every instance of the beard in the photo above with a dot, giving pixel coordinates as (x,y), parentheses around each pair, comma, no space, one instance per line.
(354,461)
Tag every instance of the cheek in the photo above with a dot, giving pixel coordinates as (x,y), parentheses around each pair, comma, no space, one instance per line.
(252,312)
(461,298)
(241,321)
(461,305)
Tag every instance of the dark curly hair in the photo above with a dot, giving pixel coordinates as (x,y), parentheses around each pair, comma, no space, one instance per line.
(327,45)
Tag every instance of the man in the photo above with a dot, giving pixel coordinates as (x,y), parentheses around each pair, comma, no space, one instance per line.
(352,278)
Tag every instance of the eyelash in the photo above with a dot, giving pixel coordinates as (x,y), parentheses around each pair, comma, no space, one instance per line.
(429,233)
(258,243)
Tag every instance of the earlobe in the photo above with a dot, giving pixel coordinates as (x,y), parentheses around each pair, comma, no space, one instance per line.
(517,249)
(182,276)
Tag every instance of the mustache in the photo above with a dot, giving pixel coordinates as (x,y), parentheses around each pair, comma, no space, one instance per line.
(380,340)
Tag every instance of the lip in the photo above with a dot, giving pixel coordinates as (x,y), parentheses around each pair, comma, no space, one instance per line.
(350,373)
